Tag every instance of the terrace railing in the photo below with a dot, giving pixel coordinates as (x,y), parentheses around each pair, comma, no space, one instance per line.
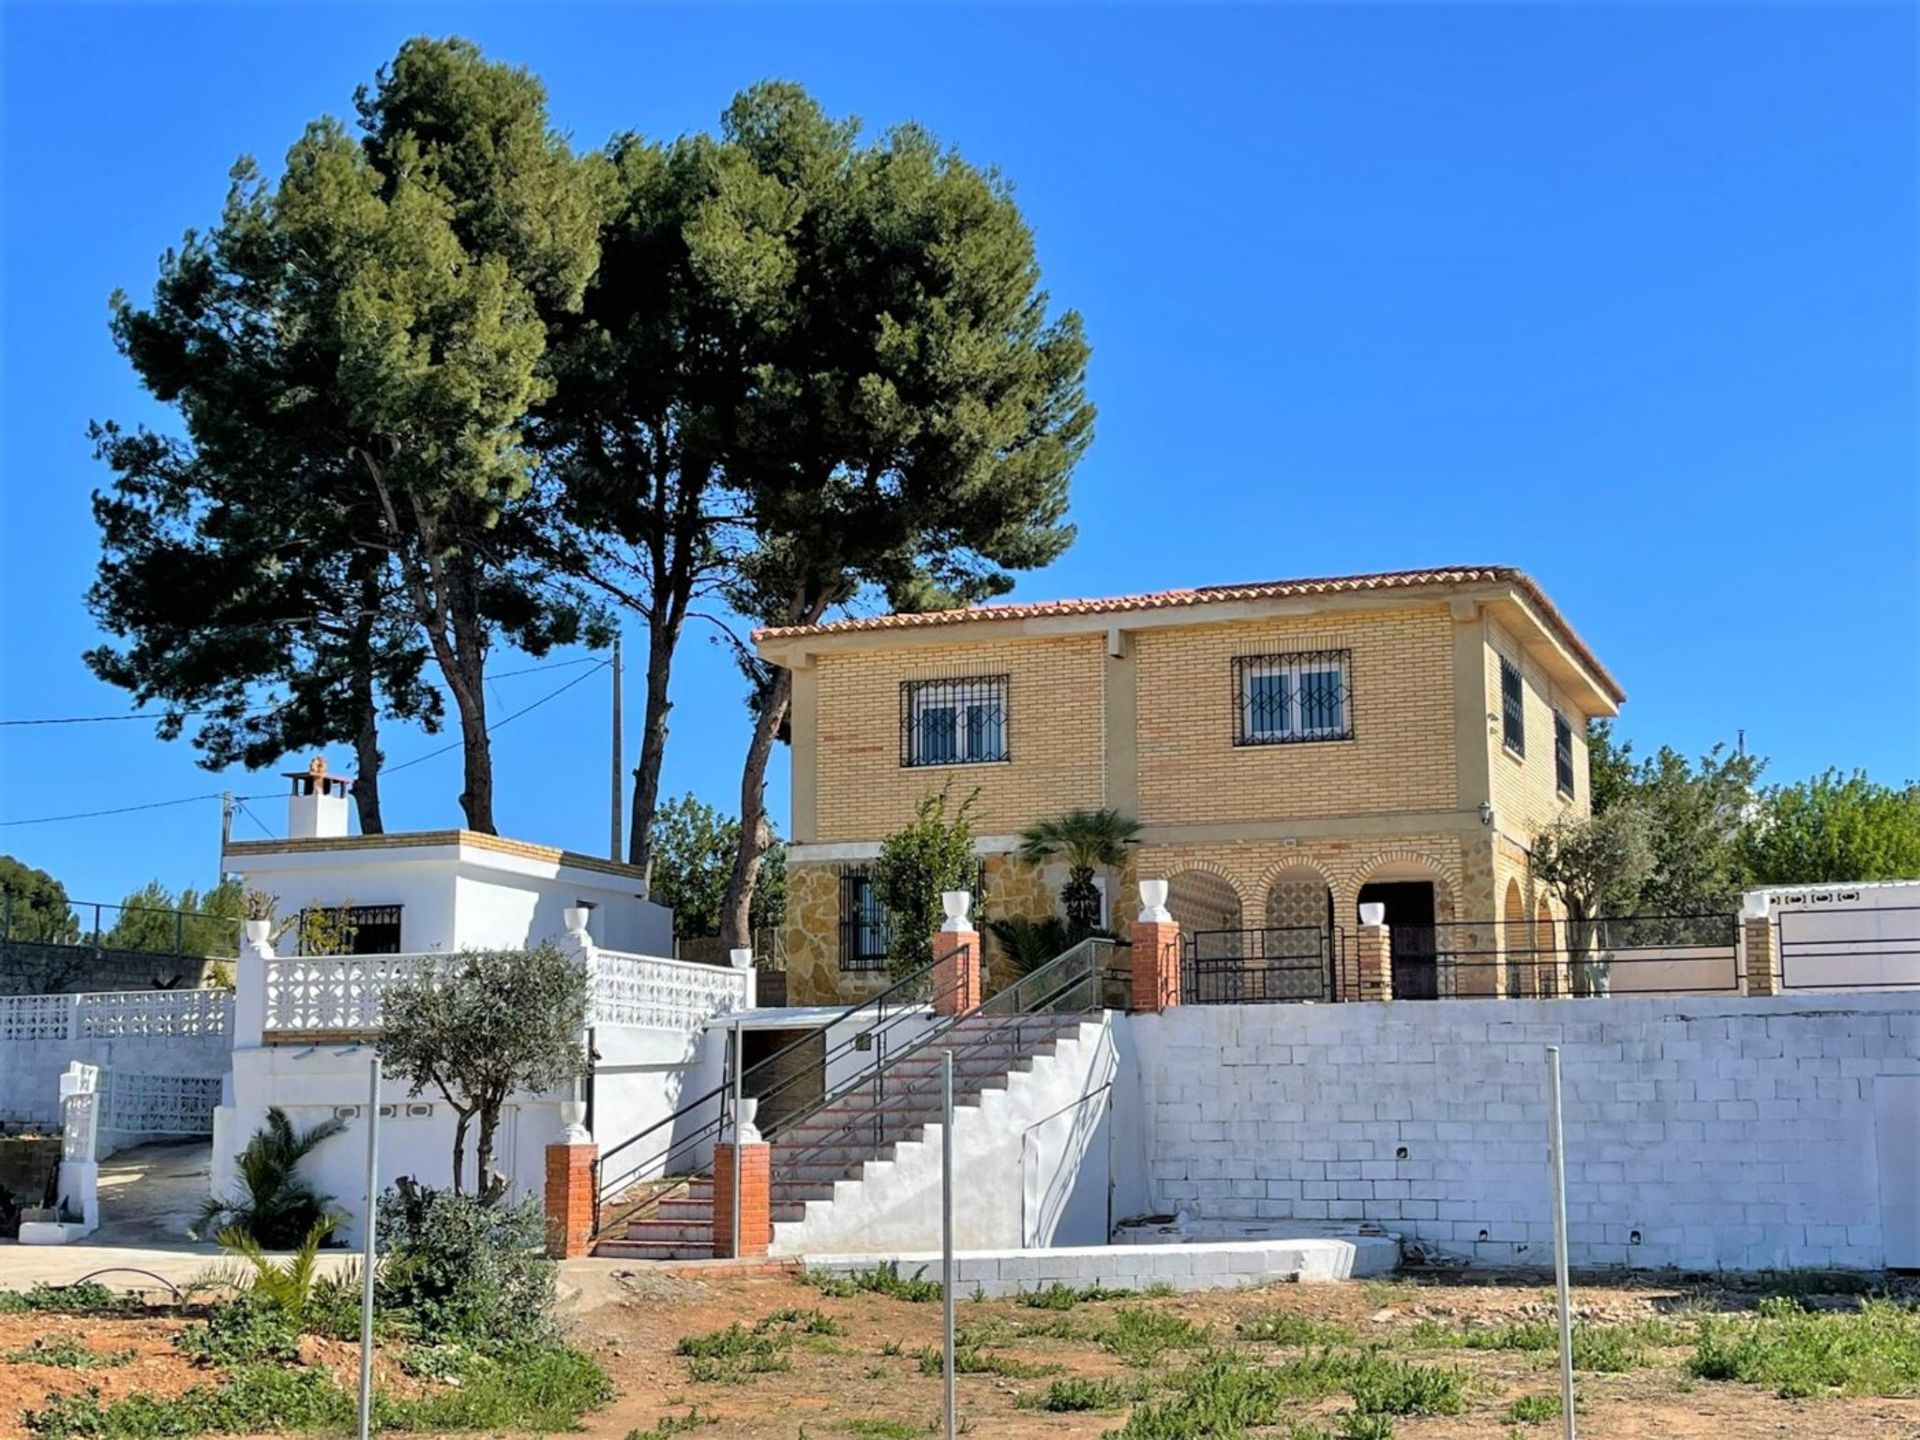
(117,1015)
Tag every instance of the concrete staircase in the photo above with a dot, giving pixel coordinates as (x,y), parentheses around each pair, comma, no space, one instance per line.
(865,1123)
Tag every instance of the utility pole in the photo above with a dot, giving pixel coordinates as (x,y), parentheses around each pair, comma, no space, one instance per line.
(226,828)
(619,787)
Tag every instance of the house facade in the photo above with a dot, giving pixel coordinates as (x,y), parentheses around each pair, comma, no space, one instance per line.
(1291,750)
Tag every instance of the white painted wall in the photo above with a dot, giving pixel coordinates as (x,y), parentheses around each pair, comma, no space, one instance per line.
(1034,1158)
(30,1070)
(1702,1132)
(642,1078)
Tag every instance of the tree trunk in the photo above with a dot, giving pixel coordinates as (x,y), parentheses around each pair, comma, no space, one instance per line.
(663,636)
(466,677)
(460,1149)
(1080,898)
(736,911)
(483,1152)
(366,744)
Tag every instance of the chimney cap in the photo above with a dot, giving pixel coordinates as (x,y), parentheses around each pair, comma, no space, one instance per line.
(315,780)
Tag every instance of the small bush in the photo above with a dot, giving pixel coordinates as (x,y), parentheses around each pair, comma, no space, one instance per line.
(88,1297)
(1872,1351)
(1394,1387)
(463,1267)
(245,1330)
(880,1280)
(981,1362)
(1534,1409)
(729,1356)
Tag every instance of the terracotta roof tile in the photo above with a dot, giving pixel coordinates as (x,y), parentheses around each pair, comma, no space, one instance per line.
(1215,594)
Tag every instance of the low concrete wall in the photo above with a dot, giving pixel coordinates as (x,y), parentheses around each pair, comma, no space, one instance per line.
(30,1070)
(32,968)
(1702,1131)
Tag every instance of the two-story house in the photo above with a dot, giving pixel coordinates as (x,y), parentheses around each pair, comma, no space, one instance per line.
(1291,751)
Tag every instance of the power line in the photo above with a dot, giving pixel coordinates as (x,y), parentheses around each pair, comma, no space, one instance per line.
(498,724)
(251,714)
(129,809)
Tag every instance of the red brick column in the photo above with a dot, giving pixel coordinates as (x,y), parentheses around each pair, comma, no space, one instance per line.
(956,975)
(1156,965)
(756,1200)
(570,1184)
(1373,957)
(1763,956)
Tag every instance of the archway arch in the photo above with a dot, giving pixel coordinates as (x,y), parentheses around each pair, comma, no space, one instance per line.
(1296,945)
(1516,943)
(1209,911)
(1417,891)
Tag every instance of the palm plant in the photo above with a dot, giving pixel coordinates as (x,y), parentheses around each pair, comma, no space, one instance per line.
(286,1286)
(1088,840)
(1028,944)
(276,1207)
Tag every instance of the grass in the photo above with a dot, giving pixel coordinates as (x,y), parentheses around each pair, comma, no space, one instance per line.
(880,1280)
(1384,1386)
(982,1362)
(882,1429)
(731,1355)
(88,1297)
(1061,1296)
(1140,1336)
(667,1426)
(1874,1350)
(1082,1393)
(67,1354)
(1288,1327)
(802,1322)
(1535,1409)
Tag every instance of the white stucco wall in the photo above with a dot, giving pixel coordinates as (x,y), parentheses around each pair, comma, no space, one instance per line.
(1036,1158)
(1702,1132)
(642,1078)
(30,1070)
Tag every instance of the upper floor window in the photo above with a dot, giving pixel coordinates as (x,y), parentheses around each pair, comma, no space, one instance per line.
(1283,699)
(1513,708)
(348,930)
(953,722)
(1563,754)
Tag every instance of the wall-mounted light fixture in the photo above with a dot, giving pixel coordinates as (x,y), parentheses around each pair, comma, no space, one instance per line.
(1486,812)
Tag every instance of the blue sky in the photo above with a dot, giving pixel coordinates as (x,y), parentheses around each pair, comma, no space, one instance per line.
(1624,295)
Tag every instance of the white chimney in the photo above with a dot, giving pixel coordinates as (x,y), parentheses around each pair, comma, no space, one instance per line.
(317,808)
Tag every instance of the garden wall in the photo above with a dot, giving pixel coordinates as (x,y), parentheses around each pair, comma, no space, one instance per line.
(1701,1132)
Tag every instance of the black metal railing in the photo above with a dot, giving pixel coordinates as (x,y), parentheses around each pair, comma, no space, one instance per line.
(1275,965)
(884,1103)
(134,929)
(1521,959)
(679,1144)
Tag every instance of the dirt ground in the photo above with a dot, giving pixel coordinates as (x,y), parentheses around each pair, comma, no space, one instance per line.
(849,1384)
(866,1379)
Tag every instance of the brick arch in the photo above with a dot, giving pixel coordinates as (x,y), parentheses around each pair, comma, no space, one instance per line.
(1444,889)
(1203,896)
(1297,894)
(1301,863)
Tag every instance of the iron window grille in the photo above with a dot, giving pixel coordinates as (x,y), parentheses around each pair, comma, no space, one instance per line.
(1513,710)
(954,722)
(1563,754)
(351,929)
(864,931)
(1291,699)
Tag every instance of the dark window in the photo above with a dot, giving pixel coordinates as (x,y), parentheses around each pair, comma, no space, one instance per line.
(1286,699)
(1513,708)
(350,930)
(1563,754)
(864,932)
(954,722)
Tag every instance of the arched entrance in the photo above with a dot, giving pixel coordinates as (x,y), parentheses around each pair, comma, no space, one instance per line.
(1516,943)
(1419,914)
(1213,934)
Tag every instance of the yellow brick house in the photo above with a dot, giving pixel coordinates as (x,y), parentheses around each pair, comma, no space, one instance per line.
(1291,749)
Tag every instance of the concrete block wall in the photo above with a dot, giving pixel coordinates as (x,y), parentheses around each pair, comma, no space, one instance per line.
(30,1070)
(1702,1132)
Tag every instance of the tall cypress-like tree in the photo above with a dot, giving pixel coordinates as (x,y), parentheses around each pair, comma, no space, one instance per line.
(353,352)
(915,415)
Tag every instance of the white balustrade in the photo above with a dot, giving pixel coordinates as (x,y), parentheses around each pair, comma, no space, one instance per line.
(160,1104)
(36,1017)
(660,994)
(116,1014)
(313,994)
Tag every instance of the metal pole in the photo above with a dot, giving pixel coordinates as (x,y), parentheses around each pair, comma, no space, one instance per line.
(1557,1162)
(946,1231)
(366,1249)
(613,852)
(737,1067)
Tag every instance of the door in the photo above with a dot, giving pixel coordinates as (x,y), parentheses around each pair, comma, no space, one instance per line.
(1410,929)
(1896,1130)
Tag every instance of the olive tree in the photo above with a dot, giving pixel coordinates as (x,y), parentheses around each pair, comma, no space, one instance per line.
(492,1023)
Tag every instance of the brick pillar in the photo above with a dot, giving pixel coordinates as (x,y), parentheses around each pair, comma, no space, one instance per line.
(1373,957)
(756,1199)
(570,1185)
(1156,965)
(1763,956)
(956,973)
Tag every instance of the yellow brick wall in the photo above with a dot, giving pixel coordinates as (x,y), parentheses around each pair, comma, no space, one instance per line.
(1525,793)
(1401,701)
(1054,734)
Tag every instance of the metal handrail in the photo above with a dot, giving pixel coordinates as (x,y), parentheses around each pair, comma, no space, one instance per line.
(1047,990)
(662,1160)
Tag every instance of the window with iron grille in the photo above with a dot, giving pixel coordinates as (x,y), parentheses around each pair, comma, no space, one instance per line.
(1563,754)
(864,931)
(1287,699)
(954,722)
(349,930)
(1513,710)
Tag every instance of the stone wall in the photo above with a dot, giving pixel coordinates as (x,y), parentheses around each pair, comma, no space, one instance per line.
(1702,1132)
(32,968)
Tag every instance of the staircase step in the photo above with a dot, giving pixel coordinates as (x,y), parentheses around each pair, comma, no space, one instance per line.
(666,1233)
(649,1250)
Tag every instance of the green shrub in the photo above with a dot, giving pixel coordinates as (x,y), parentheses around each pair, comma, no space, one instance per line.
(66,1354)
(1534,1409)
(254,1399)
(88,1297)
(1872,1351)
(1059,1296)
(880,1280)
(289,1284)
(1141,1336)
(463,1267)
(536,1387)
(1082,1393)
(981,1362)
(1527,1335)
(1357,1425)
(731,1355)
(1384,1386)
(276,1206)
(245,1330)
(804,1322)
(882,1429)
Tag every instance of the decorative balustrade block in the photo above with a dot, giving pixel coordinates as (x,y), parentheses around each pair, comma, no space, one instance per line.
(36,1017)
(328,993)
(160,1104)
(155,1014)
(659,994)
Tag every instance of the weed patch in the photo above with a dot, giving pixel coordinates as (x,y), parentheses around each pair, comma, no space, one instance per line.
(882,1429)
(880,1280)
(1059,1296)
(1872,1351)
(1288,1327)
(66,1354)
(1382,1386)
(982,1362)
(1534,1409)
(667,1426)
(89,1297)
(729,1356)
(1082,1393)
(1141,1336)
